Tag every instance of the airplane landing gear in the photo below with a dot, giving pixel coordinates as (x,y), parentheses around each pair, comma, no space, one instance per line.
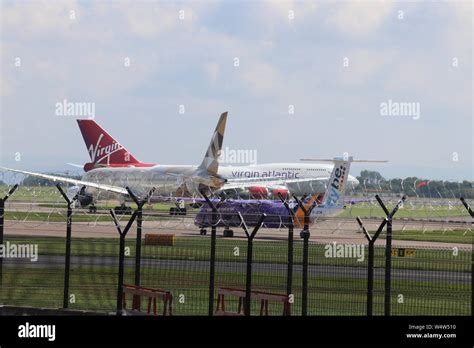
(177,211)
(123,210)
(228,233)
(92,209)
(202,232)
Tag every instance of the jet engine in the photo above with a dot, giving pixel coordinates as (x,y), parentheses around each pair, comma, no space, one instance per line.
(83,198)
(258,192)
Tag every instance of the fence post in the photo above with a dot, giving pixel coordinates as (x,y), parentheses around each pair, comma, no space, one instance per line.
(469,210)
(122,235)
(2,221)
(67,261)
(305,235)
(138,244)
(388,253)
(289,271)
(370,264)
(212,265)
(248,282)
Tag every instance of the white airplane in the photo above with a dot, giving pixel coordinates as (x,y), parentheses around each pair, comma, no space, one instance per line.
(113,168)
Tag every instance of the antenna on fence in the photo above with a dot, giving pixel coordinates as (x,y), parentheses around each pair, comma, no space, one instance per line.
(289,272)
(250,237)
(305,235)
(138,244)
(122,235)
(212,263)
(2,220)
(370,265)
(67,263)
(388,252)
(469,210)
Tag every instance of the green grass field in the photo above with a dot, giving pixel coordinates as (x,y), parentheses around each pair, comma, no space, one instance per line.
(60,216)
(269,252)
(454,236)
(94,288)
(55,216)
(50,197)
(36,194)
(406,212)
(94,285)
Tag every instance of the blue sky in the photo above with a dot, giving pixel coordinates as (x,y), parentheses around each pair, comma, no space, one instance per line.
(290,53)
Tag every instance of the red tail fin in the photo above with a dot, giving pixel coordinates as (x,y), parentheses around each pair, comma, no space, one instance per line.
(103,149)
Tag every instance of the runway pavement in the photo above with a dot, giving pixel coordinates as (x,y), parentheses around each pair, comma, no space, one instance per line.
(340,231)
(240,267)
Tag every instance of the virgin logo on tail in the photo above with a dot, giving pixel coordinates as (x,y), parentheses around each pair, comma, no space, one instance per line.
(104,149)
(99,153)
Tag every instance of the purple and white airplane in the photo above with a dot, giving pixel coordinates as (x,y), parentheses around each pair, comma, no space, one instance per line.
(277,216)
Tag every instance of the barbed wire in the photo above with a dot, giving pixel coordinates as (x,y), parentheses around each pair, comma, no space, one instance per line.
(428,207)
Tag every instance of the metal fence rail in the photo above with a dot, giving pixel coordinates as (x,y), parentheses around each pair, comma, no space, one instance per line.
(424,279)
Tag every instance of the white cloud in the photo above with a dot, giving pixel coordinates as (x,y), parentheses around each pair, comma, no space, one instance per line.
(212,70)
(359,18)
(460,30)
(5,88)
(191,62)
(364,64)
(261,78)
(37,18)
(148,21)
(282,8)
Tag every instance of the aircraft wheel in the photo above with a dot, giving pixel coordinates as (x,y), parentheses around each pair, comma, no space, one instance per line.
(228,233)
(202,232)
(123,210)
(172,211)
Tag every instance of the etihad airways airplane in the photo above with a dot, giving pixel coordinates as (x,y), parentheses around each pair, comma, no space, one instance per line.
(113,168)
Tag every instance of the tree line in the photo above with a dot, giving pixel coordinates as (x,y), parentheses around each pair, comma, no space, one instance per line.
(370,182)
(34,181)
(373,181)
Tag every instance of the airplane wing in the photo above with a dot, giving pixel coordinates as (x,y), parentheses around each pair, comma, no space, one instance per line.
(121,190)
(54,178)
